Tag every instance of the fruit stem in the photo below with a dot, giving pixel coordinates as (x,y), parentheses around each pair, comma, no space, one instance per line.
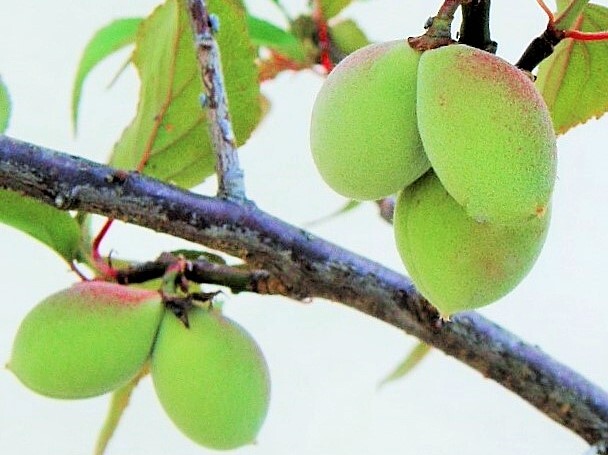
(475,28)
(439,28)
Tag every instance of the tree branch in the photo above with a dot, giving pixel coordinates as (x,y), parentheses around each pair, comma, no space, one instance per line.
(229,174)
(306,266)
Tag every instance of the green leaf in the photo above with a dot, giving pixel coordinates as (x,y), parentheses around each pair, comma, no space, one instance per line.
(569,11)
(169,131)
(331,8)
(104,43)
(57,229)
(347,36)
(573,80)
(265,34)
(347,207)
(412,360)
(118,403)
(5,107)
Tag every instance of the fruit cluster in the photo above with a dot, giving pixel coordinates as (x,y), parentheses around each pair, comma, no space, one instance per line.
(95,337)
(466,139)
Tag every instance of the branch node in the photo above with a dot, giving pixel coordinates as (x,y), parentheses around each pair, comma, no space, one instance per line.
(214,23)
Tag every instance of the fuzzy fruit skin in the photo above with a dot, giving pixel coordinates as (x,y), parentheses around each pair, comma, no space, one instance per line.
(86,340)
(363,134)
(211,379)
(455,262)
(487,133)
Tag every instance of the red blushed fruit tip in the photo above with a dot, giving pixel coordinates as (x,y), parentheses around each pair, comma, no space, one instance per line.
(112,292)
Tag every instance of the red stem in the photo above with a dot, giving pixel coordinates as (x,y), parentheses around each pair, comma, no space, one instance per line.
(323,34)
(547,11)
(105,269)
(586,36)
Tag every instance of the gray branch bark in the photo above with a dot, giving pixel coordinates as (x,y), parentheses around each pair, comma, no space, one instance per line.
(230,179)
(304,266)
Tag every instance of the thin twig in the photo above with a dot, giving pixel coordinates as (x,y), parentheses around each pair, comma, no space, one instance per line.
(202,271)
(231,183)
(306,267)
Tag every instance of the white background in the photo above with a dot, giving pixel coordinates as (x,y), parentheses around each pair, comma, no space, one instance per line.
(326,360)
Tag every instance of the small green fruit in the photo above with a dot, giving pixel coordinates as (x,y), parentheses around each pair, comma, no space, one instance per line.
(211,379)
(363,134)
(455,262)
(487,133)
(86,340)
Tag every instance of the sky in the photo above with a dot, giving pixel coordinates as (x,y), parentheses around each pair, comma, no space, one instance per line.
(326,360)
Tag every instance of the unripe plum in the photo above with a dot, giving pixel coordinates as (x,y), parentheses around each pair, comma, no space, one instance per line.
(455,262)
(86,340)
(487,133)
(363,134)
(211,379)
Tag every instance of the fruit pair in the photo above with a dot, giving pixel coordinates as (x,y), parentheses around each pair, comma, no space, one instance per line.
(388,113)
(94,337)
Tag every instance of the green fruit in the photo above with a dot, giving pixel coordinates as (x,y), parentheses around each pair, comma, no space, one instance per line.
(455,262)
(86,340)
(487,133)
(363,134)
(211,379)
